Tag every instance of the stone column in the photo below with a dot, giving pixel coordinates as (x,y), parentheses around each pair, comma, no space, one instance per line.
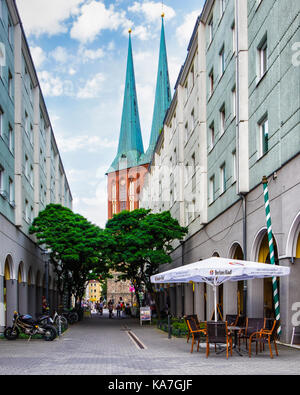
(255,298)
(32,300)
(2,307)
(23,298)
(199,300)
(229,298)
(11,300)
(39,296)
(179,300)
(188,300)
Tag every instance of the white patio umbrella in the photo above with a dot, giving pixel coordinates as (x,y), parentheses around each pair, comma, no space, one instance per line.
(216,270)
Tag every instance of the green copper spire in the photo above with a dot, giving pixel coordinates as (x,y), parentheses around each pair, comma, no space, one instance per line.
(162,96)
(130,141)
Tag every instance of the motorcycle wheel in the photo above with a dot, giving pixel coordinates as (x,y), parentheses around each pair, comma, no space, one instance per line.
(50,333)
(11,333)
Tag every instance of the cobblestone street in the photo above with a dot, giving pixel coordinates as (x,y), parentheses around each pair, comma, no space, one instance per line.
(102,346)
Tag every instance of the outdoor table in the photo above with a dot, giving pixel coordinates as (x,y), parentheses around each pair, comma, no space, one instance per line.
(236,329)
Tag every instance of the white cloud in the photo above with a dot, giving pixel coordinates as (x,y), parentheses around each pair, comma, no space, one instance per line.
(47,17)
(60,54)
(185,30)
(152,10)
(95,17)
(92,87)
(90,54)
(53,85)
(38,56)
(83,142)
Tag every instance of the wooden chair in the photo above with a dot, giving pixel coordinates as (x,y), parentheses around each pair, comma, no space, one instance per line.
(231,319)
(253,326)
(267,334)
(190,317)
(195,332)
(217,333)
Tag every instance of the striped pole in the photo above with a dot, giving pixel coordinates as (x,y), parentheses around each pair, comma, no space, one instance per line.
(271,248)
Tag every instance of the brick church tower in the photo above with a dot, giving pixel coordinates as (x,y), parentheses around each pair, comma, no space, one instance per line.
(125,176)
(127,171)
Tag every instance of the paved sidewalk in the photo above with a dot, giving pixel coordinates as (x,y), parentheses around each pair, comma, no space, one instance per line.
(102,346)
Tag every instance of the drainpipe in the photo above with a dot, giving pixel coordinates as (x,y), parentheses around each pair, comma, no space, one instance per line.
(242,195)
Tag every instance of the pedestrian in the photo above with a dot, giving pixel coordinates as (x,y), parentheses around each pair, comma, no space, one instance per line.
(110,308)
(119,309)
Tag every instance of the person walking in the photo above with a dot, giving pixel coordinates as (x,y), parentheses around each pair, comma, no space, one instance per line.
(110,309)
(119,309)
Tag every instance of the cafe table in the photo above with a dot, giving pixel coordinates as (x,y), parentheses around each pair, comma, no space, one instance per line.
(235,330)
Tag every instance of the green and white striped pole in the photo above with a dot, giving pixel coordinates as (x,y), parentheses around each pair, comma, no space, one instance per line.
(272,255)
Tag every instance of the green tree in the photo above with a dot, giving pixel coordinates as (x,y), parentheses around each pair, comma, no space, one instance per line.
(75,245)
(138,242)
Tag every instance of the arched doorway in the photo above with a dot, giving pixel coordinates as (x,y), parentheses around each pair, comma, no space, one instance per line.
(264,257)
(237,253)
(8,304)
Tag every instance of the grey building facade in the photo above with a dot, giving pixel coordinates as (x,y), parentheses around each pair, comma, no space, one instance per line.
(247,125)
(31,174)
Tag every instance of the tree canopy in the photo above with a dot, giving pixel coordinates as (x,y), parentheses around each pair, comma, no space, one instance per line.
(139,242)
(75,245)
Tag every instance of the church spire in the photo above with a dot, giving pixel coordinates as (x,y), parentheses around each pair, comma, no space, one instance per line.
(130,141)
(162,93)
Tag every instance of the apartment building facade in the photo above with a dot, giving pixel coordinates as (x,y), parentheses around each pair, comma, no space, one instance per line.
(31,173)
(234,118)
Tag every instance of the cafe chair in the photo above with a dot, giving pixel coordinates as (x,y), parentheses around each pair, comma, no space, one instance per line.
(266,335)
(191,317)
(231,319)
(195,332)
(253,326)
(217,333)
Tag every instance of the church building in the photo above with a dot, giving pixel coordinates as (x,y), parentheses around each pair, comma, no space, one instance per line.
(127,171)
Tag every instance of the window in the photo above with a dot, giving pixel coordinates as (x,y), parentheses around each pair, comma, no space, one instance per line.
(211,135)
(1,179)
(222,178)
(186,91)
(211,189)
(233,102)
(27,215)
(26,167)
(10,138)
(31,134)
(222,120)
(192,77)
(222,7)
(31,215)
(262,58)
(192,120)
(233,34)
(11,190)
(186,132)
(211,29)
(234,166)
(123,190)
(264,136)
(10,32)
(10,84)
(222,61)
(26,126)
(131,195)
(211,82)
(1,122)
(31,176)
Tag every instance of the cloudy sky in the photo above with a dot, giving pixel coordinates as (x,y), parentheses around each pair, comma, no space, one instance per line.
(79,48)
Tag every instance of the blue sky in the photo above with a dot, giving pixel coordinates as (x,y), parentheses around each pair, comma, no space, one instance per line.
(79,48)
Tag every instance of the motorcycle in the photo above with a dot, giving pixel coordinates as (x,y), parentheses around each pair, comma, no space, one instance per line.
(27,325)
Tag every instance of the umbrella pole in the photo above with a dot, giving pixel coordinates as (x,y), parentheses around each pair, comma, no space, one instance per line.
(215,301)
